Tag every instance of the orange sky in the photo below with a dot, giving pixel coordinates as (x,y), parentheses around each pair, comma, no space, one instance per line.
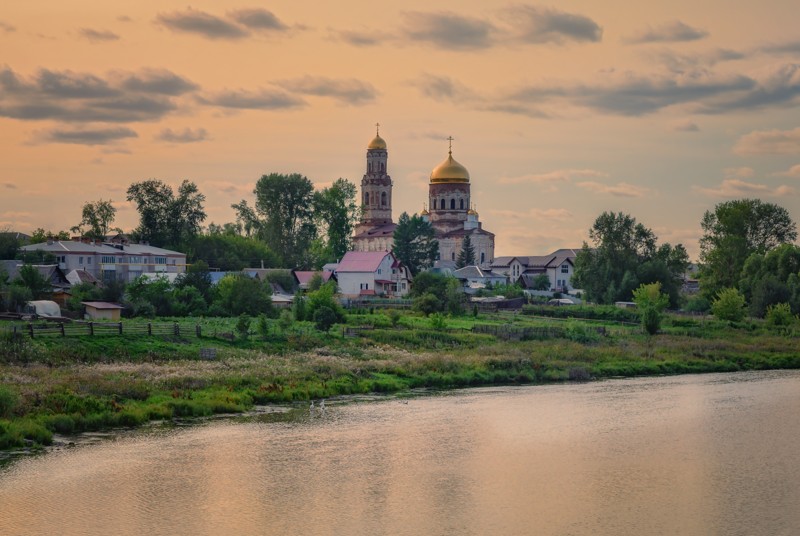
(559,111)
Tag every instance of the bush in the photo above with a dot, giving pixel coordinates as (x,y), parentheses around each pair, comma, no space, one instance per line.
(324,318)
(728,305)
(697,304)
(651,302)
(243,326)
(8,401)
(427,303)
(438,321)
(779,314)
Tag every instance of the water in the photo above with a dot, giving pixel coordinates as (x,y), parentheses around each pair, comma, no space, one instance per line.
(705,455)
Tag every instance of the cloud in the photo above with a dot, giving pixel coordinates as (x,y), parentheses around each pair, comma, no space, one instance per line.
(124,18)
(15,215)
(761,142)
(740,188)
(82,97)
(442,88)
(98,36)
(539,214)
(550,177)
(9,185)
(158,81)
(793,172)
(258,19)
(4,26)
(349,91)
(789,47)
(263,99)
(229,187)
(738,172)
(533,24)
(186,135)
(685,126)
(201,23)
(621,189)
(448,30)
(360,38)
(668,32)
(99,136)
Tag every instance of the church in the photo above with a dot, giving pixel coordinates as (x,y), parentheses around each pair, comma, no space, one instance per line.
(450,212)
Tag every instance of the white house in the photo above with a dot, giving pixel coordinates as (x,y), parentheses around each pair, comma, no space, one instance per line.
(118,260)
(372,273)
(473,278)
(559,266)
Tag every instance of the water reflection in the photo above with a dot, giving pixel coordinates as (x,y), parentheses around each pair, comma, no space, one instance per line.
(713,454)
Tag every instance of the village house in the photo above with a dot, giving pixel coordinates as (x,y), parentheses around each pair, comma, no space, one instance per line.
(559,266)
(474,278)
(372,273)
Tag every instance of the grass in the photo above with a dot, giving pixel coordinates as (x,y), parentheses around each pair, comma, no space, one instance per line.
(64,386)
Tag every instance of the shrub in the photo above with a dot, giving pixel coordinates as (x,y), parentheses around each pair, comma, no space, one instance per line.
(438,321)
(243,325)
(262,326)
(394,317)
(728,305)
(651,302)
(779,314)
(324,318)
(286,319)
(8,401)
(427,303)
(697,304)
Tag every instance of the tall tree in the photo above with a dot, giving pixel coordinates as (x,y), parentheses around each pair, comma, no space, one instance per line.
(735,230)
(414,243)
(40,235)
(9,243)
(625,255)
(96,219)
(466,257)
(283,216)
(167,217)
(336,214)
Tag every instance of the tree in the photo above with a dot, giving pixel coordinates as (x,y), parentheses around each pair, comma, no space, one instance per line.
(166,217)
(230,252)
(29,277)
(324,297)
(239,293)
(414,243)
(283,217)
(196,276)
(772,278)
(466,257)
(734,231)
(651,302)
(40,235)
(98,217)
(336,213)
(728,305)
(541,282)
(625,255)
(9,243)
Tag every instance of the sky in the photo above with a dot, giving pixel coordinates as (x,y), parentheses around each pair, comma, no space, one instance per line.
(559,111)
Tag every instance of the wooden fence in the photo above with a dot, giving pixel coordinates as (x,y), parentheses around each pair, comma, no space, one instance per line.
(83,329)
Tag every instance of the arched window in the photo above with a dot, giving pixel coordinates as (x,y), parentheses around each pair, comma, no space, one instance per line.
(366,198)
(462,204)
(383,167)
(483,257)
(453,256)
(383,199)
(441,205)
(452,204)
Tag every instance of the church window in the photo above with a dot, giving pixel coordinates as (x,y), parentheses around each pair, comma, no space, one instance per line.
(383,199)
(383,167)
(462,204)
(366,198)
(452,204)
(453,256)
(483,257)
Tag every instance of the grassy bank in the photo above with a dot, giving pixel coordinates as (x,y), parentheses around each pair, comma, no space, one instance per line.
(69,385)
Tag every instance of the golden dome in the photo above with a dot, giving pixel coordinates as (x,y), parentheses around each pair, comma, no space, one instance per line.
(449,171)
(377,143)
(472,212)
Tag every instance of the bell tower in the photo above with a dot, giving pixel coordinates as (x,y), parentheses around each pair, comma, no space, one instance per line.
(376,186)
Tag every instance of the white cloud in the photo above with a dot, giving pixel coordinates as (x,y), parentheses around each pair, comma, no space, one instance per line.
(621,189)
(793,172)
(555,176)
(738,172)
(740,188)
(760,142)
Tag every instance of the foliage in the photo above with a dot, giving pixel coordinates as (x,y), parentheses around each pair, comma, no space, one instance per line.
(283,217)
(509,291)
(772,278)
(651,302)
(188,301)
(697,304)
(433,292)
(197,276)
(780,314)
(285,320)
(438,321)
(236,294)
(324,297)
(315,282)
(541,282)
(324,318)
(454,297)
(8,401)
(83,292)
(336,213)
(262,326)
(299,307)
(466,257)
(9,243)
(167,218)
(230,252)
(734,231)
(29,277)
(97,217)
(427,303)
(728,305)
(243,326)
(283,278)
(625,255)
(157,293)
(39,236)
(414,243)
(429,282)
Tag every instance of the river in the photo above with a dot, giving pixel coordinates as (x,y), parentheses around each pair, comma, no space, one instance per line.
(715,454)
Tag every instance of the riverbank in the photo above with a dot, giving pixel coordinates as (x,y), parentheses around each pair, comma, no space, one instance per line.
(56,385)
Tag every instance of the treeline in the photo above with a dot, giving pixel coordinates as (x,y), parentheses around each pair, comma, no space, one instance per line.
(748,261)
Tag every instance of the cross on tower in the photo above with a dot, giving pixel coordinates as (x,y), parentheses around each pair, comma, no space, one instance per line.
(377,129)
(450,139)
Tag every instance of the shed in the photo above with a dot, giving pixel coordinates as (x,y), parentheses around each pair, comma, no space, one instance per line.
(102,310)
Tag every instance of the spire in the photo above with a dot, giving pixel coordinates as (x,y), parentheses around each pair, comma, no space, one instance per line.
(450,150)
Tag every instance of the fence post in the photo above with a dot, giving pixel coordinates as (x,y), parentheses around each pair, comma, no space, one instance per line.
(120,328)
(149,328)
(62,330)
(30,328)
(91,328)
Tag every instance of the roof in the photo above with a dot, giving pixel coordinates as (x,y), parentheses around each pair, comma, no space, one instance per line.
(75,246)
(51,272)
(102,305)
(304,276)
(380,230)
(362,261)
(77,277)
(475,272)
(554,259)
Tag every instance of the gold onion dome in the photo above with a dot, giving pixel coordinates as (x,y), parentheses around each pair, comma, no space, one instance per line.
(449,171)
(472,212)
(377,143)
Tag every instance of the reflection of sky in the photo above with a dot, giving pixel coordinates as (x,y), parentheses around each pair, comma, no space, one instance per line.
(659,111)
(677,455)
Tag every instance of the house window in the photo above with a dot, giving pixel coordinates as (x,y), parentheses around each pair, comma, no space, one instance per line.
(135,259)
(379,271)
(106,259)
(565,268)
(80,260)
(161,260)
(88,260)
